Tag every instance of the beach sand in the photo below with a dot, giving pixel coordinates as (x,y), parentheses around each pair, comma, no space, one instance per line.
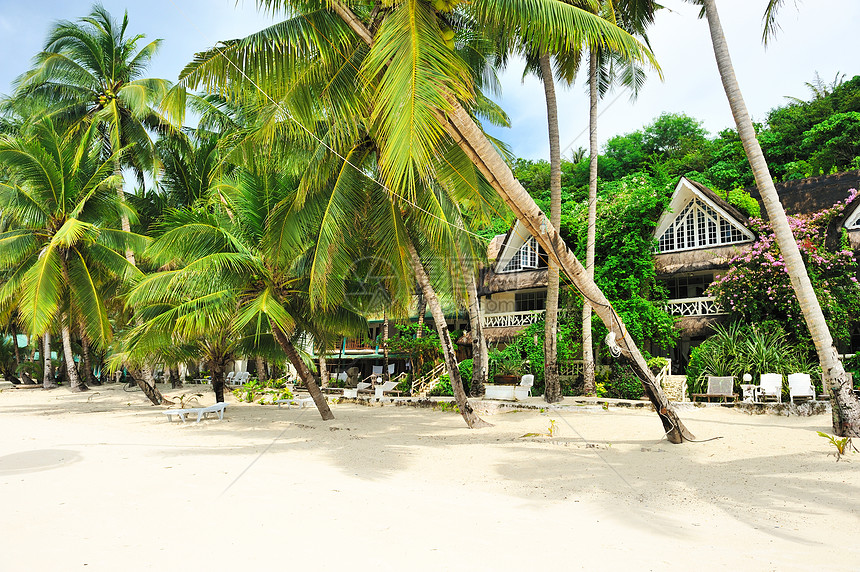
(102,481)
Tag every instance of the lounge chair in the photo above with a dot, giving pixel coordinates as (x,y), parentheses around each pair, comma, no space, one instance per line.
(352,393)
(301,402)
(800,386)
(377,370)
(380,390)
(201,412)
(770,387)
(721,387)
(524,389)
(230,377)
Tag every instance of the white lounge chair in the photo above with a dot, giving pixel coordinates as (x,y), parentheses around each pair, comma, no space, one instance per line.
(800,386)
(524,389)
(380,390)
(301,402)
(230,378)
(200,411)
(770,387)
(352,393)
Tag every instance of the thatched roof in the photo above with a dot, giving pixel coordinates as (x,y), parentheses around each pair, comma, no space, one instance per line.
(714,258)
(722,203)
(492,282)
(698,326)
(806,196)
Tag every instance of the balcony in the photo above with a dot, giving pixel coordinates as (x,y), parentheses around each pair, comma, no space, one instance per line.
(689,307)
(512,319)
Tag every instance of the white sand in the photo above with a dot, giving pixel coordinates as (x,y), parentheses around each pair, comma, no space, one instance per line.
(102,481)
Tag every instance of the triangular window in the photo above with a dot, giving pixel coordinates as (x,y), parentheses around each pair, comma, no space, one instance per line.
(526,258)
(699,226)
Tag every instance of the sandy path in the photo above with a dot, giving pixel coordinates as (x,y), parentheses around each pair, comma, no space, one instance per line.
(103,482)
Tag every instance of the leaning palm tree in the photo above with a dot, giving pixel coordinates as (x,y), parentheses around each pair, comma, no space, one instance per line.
(60,192)
(846,406)
(420,98)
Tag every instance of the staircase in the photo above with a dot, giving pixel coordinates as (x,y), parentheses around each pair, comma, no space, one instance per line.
(423,385)
(675,387)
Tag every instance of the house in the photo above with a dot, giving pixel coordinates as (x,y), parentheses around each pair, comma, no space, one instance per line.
(700,232)
(696,237)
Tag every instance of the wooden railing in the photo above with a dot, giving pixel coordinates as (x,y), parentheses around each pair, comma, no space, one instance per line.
(512,319)
(422,385)
(358,344)
(705,306)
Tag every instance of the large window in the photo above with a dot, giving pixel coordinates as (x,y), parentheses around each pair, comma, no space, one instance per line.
(530,301)
(698,226)
(688,286)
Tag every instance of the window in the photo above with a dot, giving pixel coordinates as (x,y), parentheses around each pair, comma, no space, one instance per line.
(526,258)
(688,286)
(530,301)
(699,226)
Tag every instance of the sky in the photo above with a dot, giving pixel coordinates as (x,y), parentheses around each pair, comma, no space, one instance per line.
(816,36)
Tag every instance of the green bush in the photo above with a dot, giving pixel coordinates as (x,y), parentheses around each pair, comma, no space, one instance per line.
(852,365)
(466,369)
(442,388)
(623,383)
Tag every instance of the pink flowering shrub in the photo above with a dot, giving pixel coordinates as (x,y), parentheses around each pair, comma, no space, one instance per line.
(757,287)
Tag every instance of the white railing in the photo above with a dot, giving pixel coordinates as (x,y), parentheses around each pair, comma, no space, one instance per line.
(705,306)
(422,385)
(512,319)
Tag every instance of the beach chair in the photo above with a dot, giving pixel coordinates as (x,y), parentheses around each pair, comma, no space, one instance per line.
(202,412)
(300,402)
(770,387)
(352,393)
(524,389)
(380,390)
(720,387)
(800,386)
(377,370)
(230,377)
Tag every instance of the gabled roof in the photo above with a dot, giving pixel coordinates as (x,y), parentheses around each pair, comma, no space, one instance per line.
(721,223)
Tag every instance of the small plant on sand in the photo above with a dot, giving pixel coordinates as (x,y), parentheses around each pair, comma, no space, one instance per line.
(449,406)
(553,428)
(187,398)
(842,445)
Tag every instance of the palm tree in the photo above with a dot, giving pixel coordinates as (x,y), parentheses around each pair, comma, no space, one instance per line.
(846,406)
(63,251)
(91,73)
(634,16)
(222,296)
(433,85)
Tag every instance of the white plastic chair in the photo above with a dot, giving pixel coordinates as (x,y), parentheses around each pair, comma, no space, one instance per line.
(800,385)
(770,387)
(528,381)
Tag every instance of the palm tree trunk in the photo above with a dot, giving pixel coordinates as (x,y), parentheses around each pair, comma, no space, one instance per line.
(469,137)
(479,343)
(86,355)
(385,375)
(422,309)
(75,382)
(261,370)
(323,365)
(469,415)
(217,371)
(175,382)
(304,373)
(587,343)
(15,345)
(552,391)
(844,405)
(48,373)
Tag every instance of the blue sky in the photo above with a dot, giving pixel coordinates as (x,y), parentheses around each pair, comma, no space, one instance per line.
(820,35)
